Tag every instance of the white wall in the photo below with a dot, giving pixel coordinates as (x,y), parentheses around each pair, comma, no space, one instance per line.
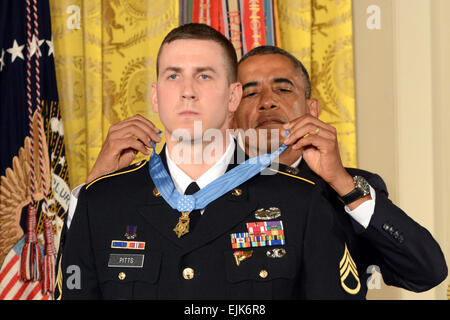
(402,85)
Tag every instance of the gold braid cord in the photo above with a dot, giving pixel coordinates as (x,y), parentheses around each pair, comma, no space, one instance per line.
(15,191)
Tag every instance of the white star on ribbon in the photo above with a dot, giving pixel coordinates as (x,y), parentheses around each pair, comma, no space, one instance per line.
(16,51)
(2,61)
(50,46)
(62,160)
(35,42)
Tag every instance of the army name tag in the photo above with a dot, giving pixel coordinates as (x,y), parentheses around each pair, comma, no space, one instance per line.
(126,260)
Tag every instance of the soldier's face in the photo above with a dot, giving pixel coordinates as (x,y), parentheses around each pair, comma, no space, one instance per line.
(273,94)
(193,86)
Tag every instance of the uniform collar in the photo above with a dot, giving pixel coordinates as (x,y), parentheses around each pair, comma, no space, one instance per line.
(181,180)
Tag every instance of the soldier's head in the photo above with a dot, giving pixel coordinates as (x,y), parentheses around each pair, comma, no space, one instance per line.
(198,31)
(196,79)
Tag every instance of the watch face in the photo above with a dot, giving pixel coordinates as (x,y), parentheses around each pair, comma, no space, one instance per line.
(362,185)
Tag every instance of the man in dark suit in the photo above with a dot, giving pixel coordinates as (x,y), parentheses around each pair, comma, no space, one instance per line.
(278,97)
(382,235)
(270,236)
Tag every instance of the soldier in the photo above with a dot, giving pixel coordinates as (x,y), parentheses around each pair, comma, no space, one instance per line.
(135,236)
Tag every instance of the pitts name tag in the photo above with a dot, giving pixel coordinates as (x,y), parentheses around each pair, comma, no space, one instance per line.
(126,260)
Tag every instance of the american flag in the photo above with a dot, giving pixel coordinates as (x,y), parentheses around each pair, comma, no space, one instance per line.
(16,45)
(11,287)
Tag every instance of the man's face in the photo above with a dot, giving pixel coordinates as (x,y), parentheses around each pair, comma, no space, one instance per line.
(193,86)
(273,94)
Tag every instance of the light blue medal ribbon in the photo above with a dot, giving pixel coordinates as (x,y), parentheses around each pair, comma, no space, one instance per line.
(215,189)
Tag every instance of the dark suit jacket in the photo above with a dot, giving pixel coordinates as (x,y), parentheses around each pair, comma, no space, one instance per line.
(406,253)
(317,263)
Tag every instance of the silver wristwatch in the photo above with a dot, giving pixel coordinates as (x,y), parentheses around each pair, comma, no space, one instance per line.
(362,189)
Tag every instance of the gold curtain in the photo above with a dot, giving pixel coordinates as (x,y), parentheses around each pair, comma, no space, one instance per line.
(319,33)
(105,54)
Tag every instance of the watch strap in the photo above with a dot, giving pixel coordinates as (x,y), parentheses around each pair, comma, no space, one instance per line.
(356,193)
(353,195)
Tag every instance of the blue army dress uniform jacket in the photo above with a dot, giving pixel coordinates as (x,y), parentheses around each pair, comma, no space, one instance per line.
(313,261)
(405,253)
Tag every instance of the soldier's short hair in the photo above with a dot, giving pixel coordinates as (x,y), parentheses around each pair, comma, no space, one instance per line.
(199,31)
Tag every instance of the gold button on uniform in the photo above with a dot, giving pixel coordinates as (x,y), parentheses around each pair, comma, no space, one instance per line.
(122,275)
(263,274)
(188,273)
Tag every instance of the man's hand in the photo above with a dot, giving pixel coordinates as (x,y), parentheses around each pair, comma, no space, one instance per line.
(319,144)
(122,143)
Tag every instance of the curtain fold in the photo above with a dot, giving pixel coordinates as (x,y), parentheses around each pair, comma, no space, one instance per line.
(105,54)
(320,34)
(105,59)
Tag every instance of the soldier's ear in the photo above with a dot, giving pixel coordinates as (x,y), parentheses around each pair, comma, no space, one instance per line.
(313,107)
(235,96)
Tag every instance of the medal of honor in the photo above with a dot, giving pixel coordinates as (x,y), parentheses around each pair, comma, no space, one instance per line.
(199,200)
(182,226)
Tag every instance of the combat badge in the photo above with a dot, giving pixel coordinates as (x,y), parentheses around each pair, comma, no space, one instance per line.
(240,256)
(276,253)
(347,271)
(271,213)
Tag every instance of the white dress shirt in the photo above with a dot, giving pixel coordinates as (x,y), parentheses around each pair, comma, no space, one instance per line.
(362,214)
(180,179)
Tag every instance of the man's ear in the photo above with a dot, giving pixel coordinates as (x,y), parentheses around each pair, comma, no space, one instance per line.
(154,98)
(313,107)
(235,96)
